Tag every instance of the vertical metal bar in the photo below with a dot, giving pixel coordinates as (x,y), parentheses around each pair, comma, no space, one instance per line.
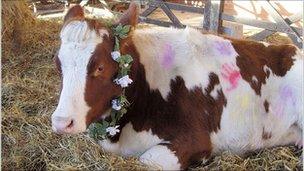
(207,13)
(212,15)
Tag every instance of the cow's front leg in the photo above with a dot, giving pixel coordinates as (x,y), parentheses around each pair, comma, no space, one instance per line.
(131,142)
(110,147)
(160,157)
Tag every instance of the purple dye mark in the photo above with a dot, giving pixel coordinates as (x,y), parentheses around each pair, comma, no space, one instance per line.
(231,74)
(286,93)
(167,57)
(287,97)
(224,48)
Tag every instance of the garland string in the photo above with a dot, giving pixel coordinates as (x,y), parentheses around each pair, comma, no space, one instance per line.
(104,129)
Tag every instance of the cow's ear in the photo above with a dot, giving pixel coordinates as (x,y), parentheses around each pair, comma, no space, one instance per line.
(74,13)
(130,17)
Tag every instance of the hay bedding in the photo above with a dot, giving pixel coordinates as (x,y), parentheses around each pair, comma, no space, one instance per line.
(29,94)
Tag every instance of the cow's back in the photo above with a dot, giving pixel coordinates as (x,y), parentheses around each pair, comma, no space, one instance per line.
(265,109)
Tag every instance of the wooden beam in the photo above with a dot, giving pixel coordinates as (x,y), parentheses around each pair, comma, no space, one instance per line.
(169,13)
(186,8)
(152,6)
(84,2)
(265,33)
(156,22)
(277,17)
(52,11)
(294,34)
(258,23)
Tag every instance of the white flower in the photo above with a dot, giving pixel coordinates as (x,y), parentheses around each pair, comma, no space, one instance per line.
(115,55)
(113,130)
(299,39)
(116,105)
(124,81)
(126,65)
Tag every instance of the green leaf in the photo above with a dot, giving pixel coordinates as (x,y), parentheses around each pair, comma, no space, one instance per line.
(123,111)
(118,29)
(97,131)
(113,117)
(126,29)
(128,58)
(123,99)
(105,124)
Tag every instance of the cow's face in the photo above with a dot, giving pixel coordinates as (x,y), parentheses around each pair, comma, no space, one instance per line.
(87,71)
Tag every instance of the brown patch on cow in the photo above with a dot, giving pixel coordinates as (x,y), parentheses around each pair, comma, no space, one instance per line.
(216,105)
(74,13)
(266,106)
(185,119)
(254,56)
(294,125)
(100,88)
(266,135)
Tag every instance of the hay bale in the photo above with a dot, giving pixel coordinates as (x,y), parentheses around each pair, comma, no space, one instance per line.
(16,19)
(278,39)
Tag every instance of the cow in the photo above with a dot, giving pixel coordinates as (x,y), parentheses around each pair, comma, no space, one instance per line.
(194,95)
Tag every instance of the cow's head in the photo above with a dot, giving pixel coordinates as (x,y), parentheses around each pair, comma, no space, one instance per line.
(87,70)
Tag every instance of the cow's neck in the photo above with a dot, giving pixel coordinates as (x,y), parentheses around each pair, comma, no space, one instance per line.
(143,99)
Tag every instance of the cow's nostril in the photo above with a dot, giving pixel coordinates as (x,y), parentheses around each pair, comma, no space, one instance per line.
(70,124)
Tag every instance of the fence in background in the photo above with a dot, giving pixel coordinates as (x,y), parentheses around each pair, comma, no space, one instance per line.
(213,17)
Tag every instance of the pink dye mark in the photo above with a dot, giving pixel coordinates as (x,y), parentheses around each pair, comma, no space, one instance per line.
(224,48)
(167,56)
(231,74)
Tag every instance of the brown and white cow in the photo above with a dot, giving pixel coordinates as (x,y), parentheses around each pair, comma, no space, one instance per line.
(193,96)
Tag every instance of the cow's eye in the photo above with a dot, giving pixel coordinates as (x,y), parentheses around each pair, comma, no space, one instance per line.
(98,70)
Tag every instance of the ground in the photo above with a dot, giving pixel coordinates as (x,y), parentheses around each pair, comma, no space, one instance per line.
(30,89)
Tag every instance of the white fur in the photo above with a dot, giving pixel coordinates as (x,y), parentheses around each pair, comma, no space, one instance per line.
(160,157)
(254,79)
(78,43)
(265,44)
(215,90)
(242,122)
(131,143)
(145,145)
(192,60)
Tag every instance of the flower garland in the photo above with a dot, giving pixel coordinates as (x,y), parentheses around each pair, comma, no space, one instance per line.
(104,129)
